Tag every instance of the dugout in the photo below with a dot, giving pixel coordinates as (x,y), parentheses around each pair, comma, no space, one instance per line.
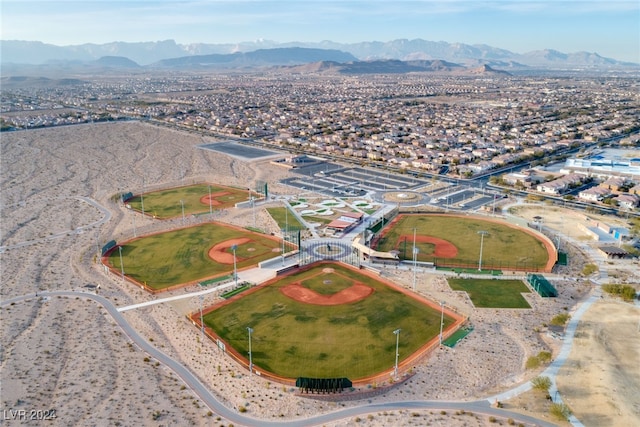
(322,385)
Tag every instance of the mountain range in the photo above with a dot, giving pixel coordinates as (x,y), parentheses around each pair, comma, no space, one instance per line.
(169,53)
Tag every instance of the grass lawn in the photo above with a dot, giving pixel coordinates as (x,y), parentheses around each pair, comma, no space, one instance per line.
(493,293)
(182,256)
(504,246)
(295,339)
(166,203)
(285,219)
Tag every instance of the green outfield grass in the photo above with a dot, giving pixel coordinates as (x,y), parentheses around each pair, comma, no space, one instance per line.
(166,203)
(505,246)
(285,219)
(356,340)
(493,293)
(181,256)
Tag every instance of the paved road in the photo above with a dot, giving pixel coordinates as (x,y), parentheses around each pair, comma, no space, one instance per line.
(481,406)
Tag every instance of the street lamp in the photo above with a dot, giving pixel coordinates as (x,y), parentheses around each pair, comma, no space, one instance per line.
(482,233)
(250,357)
(182,204)
(121,264)
(441,319)
(395,369)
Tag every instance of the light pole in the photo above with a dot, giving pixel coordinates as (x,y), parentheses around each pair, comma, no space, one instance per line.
(283,247)
(441,319)
(235,271)
(482,233)
(121,264)
(415,259)
(142,198)
(182,204)
(250,357)
(253,210)
(286,228)
(210,206)
(395,369)
(201,320)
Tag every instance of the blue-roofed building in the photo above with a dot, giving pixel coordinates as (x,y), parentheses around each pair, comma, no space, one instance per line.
(606,163)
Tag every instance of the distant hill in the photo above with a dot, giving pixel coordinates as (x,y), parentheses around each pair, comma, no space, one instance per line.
(146,53)
(116,62)
(258,58)
(387,66)
(26,81)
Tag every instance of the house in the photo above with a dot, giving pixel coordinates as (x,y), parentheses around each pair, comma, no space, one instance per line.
(594,194)
(628,201)
(613,183)
(527,178)
(560,185)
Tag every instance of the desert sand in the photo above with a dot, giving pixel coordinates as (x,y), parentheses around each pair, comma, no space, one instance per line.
(66,354)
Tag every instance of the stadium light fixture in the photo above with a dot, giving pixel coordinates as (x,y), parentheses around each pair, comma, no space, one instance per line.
(395,369)
(121,263)
(201,319)
(210,205)
(415,259)
(142,198)
(441,319)
(250,330)
(235,270)
(482,233)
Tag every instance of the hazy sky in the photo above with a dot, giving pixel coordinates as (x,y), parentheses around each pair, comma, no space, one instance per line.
(610,28)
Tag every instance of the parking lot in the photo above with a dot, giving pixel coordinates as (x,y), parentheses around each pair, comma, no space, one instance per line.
(335,180)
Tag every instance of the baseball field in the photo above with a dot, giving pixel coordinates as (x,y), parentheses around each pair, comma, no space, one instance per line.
(186,255)
(455,240)
(196,199)
(326,320)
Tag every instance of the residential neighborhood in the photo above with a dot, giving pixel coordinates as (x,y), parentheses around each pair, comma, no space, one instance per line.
(425,123)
